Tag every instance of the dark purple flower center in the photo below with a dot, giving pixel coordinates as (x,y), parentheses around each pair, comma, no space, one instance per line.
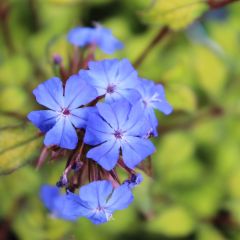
(118,134)
(65,112)
(111,88)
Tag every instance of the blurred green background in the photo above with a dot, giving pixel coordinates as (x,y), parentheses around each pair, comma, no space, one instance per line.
(194,192)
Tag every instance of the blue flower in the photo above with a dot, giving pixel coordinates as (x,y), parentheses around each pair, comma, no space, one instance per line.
(64,113)
(116,126)
(153,97)
(54,201)
(98,200)
(135,180)
(102,37)
(113,78)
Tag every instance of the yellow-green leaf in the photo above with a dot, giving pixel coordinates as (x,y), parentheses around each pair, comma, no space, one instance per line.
(211,71)
(18,145)
(173,222)
(176,14)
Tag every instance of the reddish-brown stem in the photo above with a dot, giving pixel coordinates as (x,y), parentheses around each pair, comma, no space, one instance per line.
(4,14)
(63,73)
(76,58)
(42,158)
(160,36)
(215,4)
(90,56)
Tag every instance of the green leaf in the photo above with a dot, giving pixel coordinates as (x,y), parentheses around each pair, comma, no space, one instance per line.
(173,222)
(182,97)
(18,146)
(14,98)
(10,66)
(176,14)
(211,71)
(207,232)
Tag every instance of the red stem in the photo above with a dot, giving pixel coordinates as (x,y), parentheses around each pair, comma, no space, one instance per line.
(213,4)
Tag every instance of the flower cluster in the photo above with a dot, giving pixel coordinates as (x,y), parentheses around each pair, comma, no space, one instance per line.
(100,118)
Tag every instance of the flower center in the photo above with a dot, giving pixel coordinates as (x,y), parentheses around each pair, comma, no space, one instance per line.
(65,112)
(99,209)
(145,102)
(118,134)
(111,88)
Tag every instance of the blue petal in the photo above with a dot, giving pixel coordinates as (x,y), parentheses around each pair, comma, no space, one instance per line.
(62,134)
(75,207)
(43,119)
(136,124)
(98,73)
(131,95)
(94,137)
(100,217)
(152,120)
(108,113)
(60,210)
(106,154)
(136,149)
(48,194)
(92,78)
(120,199)
(96,193)
(122,109)
(78,92)
(127,77)
(50,94)
(97,131)
(163,106)
(80,36)
(79,117)
(107,42)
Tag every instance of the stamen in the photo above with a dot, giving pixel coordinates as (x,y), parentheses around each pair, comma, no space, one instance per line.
(65,112)
(111,88)
(118,134)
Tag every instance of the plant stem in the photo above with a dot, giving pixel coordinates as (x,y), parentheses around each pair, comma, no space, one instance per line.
(213,4)
(164,31)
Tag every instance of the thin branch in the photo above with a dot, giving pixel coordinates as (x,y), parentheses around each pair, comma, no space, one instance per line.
(214,4)
(160,35)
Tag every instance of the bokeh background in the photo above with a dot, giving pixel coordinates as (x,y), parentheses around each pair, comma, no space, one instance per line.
(194,192)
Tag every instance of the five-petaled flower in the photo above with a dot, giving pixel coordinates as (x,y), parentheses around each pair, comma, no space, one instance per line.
(97,201)
(115,79)
(153,97)
(100,36)
(118,126)
(64,113)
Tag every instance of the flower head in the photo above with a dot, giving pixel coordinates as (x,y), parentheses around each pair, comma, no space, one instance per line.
(118,126)
(64,113)
(98,200)
(102,37)
(153,97)
(116,79)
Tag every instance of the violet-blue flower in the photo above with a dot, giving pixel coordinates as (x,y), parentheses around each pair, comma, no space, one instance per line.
(153,97)
(115,126)
(100,36)
(55,202)
(116,79)
(98,200)
(64,113)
